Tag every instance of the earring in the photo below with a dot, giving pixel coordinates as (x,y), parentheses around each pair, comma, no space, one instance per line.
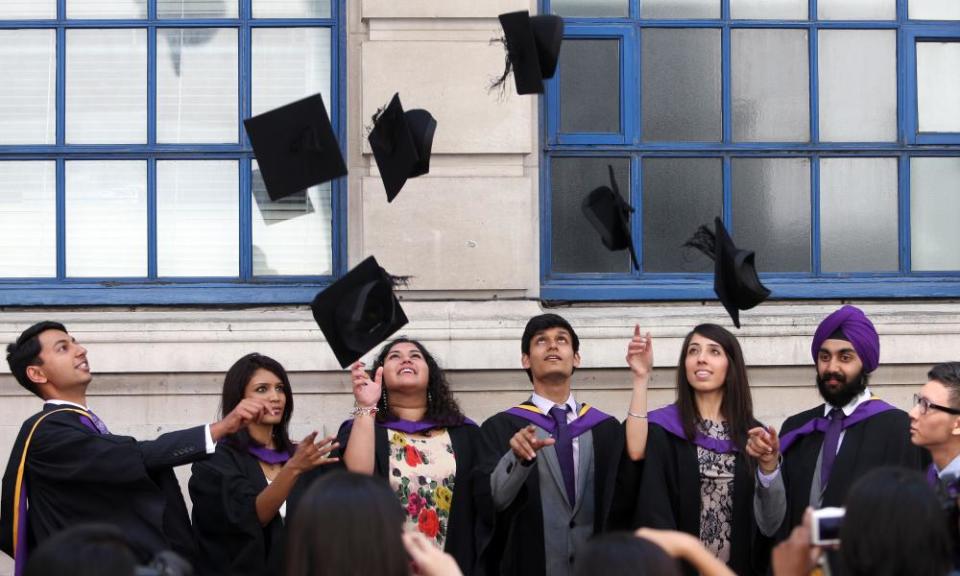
(429,398)
(383,398)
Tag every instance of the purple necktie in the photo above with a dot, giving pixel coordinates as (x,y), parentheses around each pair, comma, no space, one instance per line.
(564,448)
(98,423)
(831,440)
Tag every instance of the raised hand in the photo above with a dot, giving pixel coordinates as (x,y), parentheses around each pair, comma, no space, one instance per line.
(428,560)
(310,453)
(248,411)
(640,353)
(366,392)
(525,443)
(764,445)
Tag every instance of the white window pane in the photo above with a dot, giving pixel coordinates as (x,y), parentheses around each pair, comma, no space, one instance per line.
(197,9)
(289,64)
(28,9)
(292,236)
(770,85)
(857,9)
(934,205)
(106,213)
(291,8)
(858,215)
(197,85)
(934,10)
(680,9)
(680,84)
(769,9)
(106,86)
(858,85)
(594,8)
(938,86)
(28,60)
(28,210)
(91,9)
(198,218)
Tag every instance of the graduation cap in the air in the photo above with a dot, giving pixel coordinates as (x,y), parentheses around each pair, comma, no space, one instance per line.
(286,208)
(401,143)
(358,311)
(533,48)
(295,147)
(735,278)
(609,213)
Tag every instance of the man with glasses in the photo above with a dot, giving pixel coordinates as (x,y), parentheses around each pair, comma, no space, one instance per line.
(935,420)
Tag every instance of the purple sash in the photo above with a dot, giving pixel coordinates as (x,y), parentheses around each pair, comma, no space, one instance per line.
(865,410)
(267,455)
(668,418)
(411,427)
(932,477)
(587,418)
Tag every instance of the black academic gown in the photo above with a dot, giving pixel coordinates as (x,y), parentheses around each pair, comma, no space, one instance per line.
(460,542)
(232,542)
(881,440)
(511,541)
(669,499)
(75,474)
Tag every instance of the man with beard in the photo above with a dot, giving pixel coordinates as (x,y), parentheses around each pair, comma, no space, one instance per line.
(827,448)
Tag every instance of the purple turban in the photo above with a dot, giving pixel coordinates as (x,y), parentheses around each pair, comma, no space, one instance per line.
(857,329)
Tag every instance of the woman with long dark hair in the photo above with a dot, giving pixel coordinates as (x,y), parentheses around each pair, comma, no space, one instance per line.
(246,492)
(408,429)
(697,476)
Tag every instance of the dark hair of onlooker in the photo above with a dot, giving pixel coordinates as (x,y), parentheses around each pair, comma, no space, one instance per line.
(442,407)
(894,526)
(234,386)
(84,550)
(543,322)
(948,374)
(737,405)
(623,554)
(346,524)
(26,352)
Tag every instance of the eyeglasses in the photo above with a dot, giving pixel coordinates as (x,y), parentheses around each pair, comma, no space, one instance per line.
(925,405)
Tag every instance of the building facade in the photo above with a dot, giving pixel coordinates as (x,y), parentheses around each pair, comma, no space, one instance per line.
(826,133)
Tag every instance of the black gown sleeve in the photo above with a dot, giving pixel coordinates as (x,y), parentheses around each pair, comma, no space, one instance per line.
(654,503)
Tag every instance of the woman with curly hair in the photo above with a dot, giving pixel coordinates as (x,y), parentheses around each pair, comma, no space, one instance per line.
(408,429)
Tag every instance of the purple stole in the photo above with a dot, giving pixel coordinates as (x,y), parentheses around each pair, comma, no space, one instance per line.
(411,427)
(669,419)
(587,418)
(865,410)
(268,456)
(20,506)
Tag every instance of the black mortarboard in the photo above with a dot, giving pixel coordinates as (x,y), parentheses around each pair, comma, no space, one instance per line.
(533,48)
(295,147)
(609,213)
(401,143)
(358,311)
(735,278)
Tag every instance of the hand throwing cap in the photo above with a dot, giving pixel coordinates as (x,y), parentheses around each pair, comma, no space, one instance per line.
(401,143)
(295,147)
(358,311)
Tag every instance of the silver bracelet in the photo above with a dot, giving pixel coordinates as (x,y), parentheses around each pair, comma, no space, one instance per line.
(635,415)
(361,411)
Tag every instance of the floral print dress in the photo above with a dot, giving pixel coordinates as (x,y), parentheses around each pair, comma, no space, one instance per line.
(423,467)
(716,492)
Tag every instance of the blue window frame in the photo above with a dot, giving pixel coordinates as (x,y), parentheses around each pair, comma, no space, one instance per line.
(159,166)
(813,134)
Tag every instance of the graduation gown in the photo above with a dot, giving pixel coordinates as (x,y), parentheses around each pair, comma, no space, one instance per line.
(74,474)
(460,542)
(231,540)
(881,440)
(669,499)
(511,541)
